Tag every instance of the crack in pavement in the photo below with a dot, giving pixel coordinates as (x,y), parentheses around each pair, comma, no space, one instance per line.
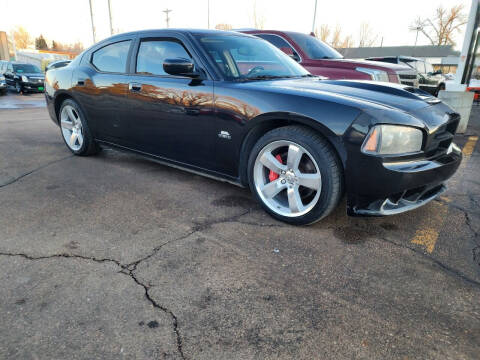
(444,267)
(124,270)
(14,180)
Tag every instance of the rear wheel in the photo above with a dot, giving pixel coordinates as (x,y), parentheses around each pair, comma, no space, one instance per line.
(295,174)
(75,131)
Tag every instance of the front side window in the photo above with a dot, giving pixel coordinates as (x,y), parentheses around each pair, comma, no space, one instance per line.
(241,57)
(313,47)
(112,58)
(152,54)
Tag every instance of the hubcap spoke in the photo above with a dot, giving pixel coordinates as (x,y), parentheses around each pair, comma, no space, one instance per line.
(73,139)
(271,189)
(71,115)
(294,200)
(269,161)
(294,156)
(311,181)
(80,138)
(67,124)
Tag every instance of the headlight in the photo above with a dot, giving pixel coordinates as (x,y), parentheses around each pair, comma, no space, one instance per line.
(2,78)
(24,78)
(392,139)
(377,75)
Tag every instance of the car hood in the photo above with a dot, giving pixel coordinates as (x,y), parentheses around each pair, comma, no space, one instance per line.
(357,93)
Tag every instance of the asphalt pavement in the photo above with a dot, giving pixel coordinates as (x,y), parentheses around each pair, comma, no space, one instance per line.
(114,256)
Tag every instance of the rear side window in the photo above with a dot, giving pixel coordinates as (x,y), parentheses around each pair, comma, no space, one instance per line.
(275,40)
(152,54)
(112,58)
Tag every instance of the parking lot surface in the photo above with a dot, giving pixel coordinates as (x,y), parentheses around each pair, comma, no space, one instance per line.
(114,257)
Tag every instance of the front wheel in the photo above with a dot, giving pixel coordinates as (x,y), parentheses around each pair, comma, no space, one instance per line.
(18,88)
(295,174)
(75,130)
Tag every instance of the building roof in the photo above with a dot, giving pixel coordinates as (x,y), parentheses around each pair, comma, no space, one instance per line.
(428,51)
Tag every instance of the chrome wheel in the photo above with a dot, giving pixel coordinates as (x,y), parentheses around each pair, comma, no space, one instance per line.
(287,178)
(72,129)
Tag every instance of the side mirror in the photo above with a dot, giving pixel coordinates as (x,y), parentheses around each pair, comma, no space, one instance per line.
(180,66)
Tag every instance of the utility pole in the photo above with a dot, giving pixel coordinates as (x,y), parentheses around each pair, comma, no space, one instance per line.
(91,18)
(167,18)
(314,17)
(110,16)
(208,13)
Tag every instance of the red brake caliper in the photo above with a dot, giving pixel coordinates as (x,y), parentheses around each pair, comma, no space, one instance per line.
(272,176)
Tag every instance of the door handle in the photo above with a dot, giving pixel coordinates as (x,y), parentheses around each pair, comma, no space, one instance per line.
(134,86)
(81,82)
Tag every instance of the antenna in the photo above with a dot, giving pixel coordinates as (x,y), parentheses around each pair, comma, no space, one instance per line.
(167,18)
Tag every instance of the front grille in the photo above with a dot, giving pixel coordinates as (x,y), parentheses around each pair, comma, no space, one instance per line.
(409,83)
(408,78)
(440,140)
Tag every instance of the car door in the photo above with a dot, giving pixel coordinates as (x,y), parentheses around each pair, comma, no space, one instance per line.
(100,84)
(170,116)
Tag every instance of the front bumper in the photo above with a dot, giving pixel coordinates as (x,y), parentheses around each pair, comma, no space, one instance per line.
(3,85)
(387,188)
(33,87)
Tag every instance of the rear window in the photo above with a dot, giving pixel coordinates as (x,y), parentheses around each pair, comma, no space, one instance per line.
(112,58)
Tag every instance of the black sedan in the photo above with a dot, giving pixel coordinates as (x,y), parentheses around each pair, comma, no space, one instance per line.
(234,107)
(24,77)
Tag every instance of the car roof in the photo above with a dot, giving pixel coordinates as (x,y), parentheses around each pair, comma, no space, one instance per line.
(179,30)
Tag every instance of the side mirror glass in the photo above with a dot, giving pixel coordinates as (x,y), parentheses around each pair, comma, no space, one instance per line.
(180,67)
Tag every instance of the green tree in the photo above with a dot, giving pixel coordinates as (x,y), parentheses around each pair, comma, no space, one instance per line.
(40,43)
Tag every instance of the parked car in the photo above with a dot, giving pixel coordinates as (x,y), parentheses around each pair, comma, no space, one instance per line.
(321,59)
(233,107)
(57,64)
(24,77)
(428,79)
(3,85)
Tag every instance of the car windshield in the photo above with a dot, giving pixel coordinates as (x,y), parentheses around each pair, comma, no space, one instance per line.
(313,47)
(241,57)
(26,68)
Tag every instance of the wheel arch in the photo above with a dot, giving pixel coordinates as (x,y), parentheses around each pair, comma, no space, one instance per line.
(260,125)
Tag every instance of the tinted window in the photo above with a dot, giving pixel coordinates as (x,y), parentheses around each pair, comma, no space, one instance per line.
(152,54)
(246,57)
(275,40)
(313,47)
(112,58)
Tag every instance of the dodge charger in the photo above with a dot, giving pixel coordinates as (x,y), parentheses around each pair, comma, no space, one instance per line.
(234,107)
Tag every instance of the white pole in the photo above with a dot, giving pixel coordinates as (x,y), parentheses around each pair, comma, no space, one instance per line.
(314,17)
(110,16)
(459,84)
(91,18)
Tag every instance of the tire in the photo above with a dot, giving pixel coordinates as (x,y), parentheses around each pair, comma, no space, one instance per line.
(75,131)
(314,163)
(3,92)
(18,88)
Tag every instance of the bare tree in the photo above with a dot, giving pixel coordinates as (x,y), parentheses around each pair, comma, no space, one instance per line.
(21,37)
(258,18)
(323,33)
(445,23)
(367,38)
(336,37)
(223,27)
(347,42)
